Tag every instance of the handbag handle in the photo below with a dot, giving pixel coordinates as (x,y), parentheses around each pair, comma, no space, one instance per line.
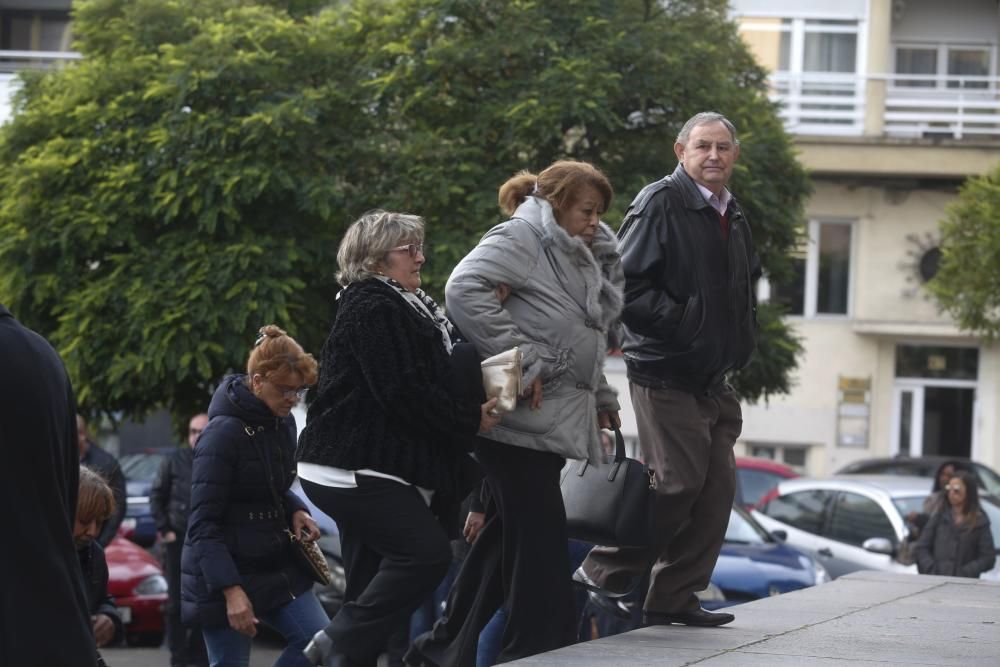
(619,457)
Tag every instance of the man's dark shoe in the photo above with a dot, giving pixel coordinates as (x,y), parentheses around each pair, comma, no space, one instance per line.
(580,578)
(616,608)
(697,617)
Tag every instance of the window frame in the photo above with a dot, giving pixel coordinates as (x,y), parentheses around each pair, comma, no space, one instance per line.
(942,50)
(831,516)
(812,256)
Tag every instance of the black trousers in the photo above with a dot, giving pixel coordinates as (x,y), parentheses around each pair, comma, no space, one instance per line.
(186,644)
(395,554)
(519,560)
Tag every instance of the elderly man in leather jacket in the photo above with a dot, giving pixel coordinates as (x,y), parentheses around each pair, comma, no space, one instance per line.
(690,317)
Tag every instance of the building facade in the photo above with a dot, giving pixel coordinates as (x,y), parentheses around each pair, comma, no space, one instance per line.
(893,103)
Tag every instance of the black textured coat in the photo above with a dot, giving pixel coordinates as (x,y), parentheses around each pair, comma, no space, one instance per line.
(43,609)
(386,398)
(170,494)
(690,309)
(235,536)
(955,551)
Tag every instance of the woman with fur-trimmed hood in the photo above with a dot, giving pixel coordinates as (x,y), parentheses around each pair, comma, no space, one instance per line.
(549,281)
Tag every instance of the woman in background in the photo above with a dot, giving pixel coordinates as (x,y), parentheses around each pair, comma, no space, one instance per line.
(957,541)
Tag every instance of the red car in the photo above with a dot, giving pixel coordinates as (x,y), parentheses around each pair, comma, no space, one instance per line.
(135,580)
(756,477)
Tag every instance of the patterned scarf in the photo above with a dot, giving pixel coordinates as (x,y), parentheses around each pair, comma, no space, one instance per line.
(427,307)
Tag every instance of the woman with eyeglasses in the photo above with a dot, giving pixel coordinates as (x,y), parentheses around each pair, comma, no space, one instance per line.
(237,567)
(957,541)
(384,450)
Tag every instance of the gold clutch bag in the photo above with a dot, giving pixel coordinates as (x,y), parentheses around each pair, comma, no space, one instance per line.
(502,379)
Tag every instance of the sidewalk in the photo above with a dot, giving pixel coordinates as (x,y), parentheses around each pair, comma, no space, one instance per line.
(863,620)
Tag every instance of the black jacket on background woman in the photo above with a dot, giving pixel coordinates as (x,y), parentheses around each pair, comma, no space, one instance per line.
(95,581)
(955,551)
(235,536)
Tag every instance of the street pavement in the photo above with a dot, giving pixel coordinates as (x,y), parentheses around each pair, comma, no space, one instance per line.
(865,619)
(265,651)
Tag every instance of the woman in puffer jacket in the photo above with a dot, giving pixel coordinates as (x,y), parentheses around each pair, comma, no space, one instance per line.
(237,567)
(549,281)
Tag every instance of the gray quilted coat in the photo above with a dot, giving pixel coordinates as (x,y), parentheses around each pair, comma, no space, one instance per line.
(563,313)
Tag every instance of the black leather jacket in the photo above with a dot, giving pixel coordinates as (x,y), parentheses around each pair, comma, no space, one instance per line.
(170,495)
(690,309)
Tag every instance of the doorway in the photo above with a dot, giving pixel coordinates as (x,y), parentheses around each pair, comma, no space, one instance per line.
(934,402)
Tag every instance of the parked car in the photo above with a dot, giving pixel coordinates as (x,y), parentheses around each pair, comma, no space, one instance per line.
(135,580)
(754,564)
(853,522)
(755,477)
(921,466)
(140,469)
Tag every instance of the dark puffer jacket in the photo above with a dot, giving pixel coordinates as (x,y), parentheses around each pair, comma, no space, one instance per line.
(955,551)
(235,536)
(385,399)
(94,566)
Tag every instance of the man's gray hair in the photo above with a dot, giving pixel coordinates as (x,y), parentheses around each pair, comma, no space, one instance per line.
(369,239)
(704,118)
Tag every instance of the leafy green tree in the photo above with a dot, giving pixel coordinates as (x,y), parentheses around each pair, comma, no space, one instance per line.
(967,284)
(188,180)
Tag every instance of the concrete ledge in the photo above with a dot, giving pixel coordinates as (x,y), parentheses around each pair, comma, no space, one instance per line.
(863,619)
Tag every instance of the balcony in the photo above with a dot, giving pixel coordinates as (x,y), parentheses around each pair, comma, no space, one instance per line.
(904,106)
(12,62)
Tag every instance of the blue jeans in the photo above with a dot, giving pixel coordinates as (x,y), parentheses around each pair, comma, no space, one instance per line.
(297,621)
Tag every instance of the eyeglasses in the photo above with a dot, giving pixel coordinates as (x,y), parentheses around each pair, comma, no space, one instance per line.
(287,392)
(954,489)
(411,248)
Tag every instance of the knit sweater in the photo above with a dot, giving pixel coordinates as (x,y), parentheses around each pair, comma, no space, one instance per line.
(384,400)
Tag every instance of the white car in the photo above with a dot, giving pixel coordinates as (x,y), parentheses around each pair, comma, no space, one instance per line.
(853,522)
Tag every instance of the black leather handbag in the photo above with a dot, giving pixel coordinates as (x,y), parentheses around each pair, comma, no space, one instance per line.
(610,504)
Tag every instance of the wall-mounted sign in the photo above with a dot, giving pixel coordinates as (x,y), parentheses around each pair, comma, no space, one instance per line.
(853,411)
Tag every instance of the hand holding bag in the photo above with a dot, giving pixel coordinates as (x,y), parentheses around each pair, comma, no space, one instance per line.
(307,555)
(610,504)
(502,379)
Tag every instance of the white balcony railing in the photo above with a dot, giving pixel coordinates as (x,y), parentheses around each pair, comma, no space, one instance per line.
(956,107)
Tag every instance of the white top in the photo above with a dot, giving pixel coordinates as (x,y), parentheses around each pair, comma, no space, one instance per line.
(339,478)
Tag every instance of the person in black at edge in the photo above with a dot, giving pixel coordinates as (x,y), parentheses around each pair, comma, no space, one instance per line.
(170,503)
(106,464)
(40,472)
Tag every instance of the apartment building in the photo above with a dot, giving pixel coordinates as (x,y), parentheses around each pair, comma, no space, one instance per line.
(893,103)
(34,34)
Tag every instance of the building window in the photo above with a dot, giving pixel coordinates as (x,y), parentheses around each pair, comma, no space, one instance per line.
(821,277)
(22,30)
(940,65)
(794,456)
(937,362)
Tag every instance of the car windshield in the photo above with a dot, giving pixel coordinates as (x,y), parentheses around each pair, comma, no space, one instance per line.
(140,466)
(990,480)
(908,504)
(742,529)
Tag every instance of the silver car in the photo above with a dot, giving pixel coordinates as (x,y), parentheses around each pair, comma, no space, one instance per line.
(853,522)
